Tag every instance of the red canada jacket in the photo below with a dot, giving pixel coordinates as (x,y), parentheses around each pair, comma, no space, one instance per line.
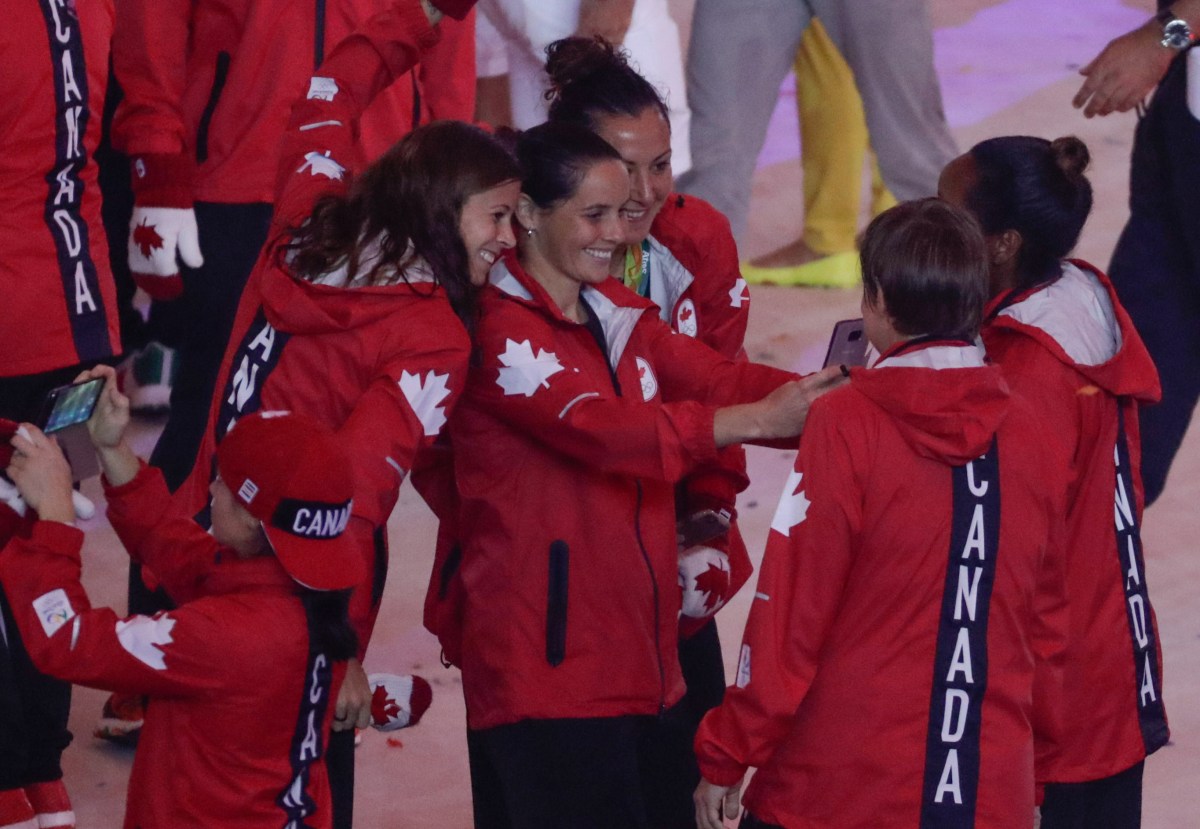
(886,674)
(217,79)
(697,284)
(239,709)
(382,365)
(1070,348)
(60,306)
(566,471)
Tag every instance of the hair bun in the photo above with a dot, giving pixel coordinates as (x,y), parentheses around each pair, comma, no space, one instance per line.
(1071,155)
(572,58)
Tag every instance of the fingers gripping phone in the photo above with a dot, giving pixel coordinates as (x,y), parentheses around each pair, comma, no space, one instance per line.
(65,413)
(848,345)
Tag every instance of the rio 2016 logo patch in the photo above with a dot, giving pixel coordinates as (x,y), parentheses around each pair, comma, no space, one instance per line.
(648,380)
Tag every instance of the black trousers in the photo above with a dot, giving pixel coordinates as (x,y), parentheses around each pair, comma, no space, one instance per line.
(1156,267)
(33,714)
(633,771)
(1112,803)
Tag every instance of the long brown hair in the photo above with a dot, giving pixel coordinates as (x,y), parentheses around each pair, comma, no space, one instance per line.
(413,194)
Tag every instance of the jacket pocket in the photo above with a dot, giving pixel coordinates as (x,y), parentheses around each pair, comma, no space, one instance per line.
(220,74)
(556,604)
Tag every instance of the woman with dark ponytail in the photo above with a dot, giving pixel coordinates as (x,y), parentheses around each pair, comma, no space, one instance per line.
(679,252)
(1063,341)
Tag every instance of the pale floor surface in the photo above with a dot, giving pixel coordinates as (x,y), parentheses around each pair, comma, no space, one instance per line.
(418,778)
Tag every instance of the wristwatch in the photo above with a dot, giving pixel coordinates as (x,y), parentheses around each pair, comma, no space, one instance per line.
(1176,33)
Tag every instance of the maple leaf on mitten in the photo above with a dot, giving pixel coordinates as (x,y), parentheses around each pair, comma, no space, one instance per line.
(398,701)
(704,576)
(163,225)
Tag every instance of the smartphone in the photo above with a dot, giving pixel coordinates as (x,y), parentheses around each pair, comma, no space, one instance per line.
(848,345)
(68,405)
(703,526)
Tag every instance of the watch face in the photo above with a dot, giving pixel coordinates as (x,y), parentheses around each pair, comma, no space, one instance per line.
(1176,34)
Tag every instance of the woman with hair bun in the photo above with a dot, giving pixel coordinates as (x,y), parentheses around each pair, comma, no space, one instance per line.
(1063,340)
(582,411)
(679,252)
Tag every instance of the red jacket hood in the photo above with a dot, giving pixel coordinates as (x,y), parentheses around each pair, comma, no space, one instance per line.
(300,307)
(942,396)
(1078,318)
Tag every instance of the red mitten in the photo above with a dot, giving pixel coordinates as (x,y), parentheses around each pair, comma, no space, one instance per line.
(398,701)
(163,224)
(458,9)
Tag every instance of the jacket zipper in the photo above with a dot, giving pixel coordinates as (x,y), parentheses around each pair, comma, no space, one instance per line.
(319,36)
(637,526)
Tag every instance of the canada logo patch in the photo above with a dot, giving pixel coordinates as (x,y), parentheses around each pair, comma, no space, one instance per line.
(647,379)
(685,318)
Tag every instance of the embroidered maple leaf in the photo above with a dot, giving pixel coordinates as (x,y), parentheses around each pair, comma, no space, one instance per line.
(642,372)
(793,506)
(146,237)
(686,314)
(525,372)
(425,397)
(384,709)
(738,295)
(319,164)
(713,583)
(145,636)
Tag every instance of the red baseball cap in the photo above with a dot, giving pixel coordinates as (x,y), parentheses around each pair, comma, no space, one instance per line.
(290,472)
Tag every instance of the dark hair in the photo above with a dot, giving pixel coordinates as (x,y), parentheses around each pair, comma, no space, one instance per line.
(1037,188)
(928,261)
(589,77)
(555,157)
(413,193)
(329,629)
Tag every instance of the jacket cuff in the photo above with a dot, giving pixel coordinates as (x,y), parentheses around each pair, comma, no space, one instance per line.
(144,475)
(57,538)
(696,431)
(721,774)
(163,180)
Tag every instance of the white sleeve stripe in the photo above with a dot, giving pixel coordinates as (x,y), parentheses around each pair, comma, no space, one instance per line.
(571,405)
(762,596)
(75,634)
(399,469)
(317,124)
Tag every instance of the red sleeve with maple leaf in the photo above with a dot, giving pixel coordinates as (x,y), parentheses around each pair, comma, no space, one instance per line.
(618,434)
(807,561)
(171,653)
(403,411)
(321,142)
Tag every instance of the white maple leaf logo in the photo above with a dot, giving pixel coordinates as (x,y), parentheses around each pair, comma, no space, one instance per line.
(319,164)
(524,372)
(739,295)
(793,506)
(144,637)
(425,397)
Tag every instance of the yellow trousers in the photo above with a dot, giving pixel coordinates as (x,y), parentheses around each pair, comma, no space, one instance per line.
(834,145)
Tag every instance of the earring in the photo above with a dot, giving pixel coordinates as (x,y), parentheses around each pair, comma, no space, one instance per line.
(529,231)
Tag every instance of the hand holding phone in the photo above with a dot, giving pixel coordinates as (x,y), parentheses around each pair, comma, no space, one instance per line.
(70,405)
(848,345)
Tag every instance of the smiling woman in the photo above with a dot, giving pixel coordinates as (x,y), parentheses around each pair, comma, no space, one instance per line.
(582,410)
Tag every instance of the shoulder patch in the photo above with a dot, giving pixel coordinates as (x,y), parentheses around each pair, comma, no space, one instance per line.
(53,610)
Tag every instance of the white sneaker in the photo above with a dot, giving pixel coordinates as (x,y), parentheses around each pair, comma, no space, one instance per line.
(146,378)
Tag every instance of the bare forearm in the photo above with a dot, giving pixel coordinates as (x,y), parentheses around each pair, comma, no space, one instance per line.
(119,464)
